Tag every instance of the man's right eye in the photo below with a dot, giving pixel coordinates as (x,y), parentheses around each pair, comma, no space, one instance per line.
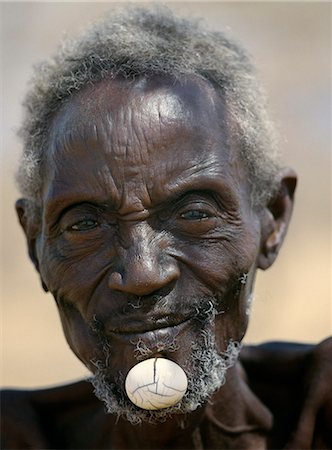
(83,225)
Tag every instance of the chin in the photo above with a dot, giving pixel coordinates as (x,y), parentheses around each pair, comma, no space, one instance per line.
(204,365)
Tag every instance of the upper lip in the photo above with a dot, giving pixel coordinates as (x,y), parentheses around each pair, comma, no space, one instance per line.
(146,324)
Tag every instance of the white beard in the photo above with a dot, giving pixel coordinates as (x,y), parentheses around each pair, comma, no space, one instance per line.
(206,375)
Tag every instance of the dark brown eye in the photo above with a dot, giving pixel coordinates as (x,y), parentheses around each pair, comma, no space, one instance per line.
(84,225)
(194,214)
(197,218)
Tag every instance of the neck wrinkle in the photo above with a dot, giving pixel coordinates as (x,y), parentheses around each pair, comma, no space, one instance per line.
(235,417)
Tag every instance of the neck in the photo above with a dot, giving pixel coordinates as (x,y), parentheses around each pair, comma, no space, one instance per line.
(232,417)
(235,417)
(176,432)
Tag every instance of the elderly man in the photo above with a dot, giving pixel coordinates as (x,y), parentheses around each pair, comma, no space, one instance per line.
(152,194)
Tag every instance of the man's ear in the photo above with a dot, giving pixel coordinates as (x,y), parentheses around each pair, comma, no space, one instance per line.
(30,222)
(275,219)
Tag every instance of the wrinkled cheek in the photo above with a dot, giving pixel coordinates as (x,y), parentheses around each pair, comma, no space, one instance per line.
(72,280)
(229,273)
(232,297)
(233,322)
(72,284)
(232,294)
(82,341)
(221,265)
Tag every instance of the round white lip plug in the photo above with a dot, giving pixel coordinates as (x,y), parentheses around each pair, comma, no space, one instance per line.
(156,383)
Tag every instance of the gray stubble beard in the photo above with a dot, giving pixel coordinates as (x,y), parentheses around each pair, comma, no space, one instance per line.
(206,374)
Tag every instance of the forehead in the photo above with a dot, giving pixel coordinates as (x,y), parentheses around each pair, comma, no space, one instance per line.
(140,131)
(188,103)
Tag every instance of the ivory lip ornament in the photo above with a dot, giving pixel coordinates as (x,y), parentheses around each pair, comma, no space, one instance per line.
(156,383)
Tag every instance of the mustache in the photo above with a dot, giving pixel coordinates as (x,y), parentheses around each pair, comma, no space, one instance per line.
(200,309)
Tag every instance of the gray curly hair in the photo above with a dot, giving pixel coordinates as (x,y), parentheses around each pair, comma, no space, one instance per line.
(147,42)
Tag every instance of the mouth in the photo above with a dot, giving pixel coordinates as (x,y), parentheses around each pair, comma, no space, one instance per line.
(157,328)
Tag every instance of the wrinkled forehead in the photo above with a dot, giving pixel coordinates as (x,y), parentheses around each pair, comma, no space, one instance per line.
(188,102)
(132,133)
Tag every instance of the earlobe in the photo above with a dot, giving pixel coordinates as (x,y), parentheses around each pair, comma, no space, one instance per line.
(31,227)
(275,219)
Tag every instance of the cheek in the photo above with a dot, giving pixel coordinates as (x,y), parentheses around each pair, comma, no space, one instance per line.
(73,272)
(220,265)
(227,269)
(80,339)
(234,321)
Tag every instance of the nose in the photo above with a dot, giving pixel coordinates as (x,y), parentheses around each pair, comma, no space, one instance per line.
(145,266)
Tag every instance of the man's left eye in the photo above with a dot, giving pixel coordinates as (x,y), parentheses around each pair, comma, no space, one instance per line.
(195,215)
(84,225)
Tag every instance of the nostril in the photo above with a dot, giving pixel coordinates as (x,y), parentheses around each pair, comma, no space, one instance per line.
(144,276)
(162,292)
(142,285)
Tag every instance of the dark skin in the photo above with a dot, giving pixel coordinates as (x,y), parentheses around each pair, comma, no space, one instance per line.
(145,198)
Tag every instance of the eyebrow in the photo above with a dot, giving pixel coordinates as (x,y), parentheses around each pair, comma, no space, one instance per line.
(206,183)
(172,192)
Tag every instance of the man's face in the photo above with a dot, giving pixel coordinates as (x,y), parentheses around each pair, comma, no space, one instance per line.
(147,223)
